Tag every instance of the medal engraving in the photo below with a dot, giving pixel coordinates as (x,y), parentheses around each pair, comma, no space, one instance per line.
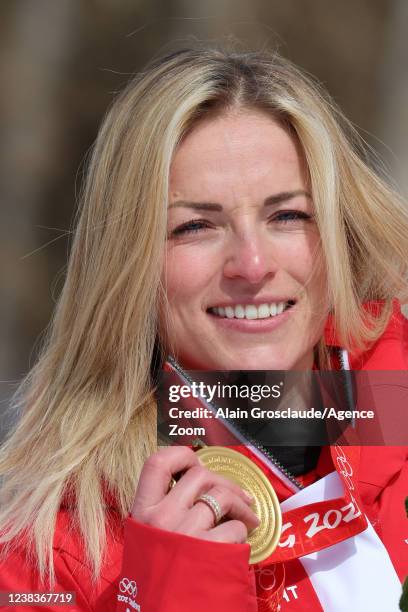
(241,470)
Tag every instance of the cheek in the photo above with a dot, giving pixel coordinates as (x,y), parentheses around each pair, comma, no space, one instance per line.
(305,264)
(187,274)
(302,259)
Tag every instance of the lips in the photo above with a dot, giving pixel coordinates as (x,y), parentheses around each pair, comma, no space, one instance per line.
(252,311)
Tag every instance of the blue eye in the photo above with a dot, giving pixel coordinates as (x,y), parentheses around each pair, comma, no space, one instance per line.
(285,216)
(191,227)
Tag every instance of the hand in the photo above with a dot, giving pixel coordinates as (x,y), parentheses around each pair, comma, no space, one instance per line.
(178,510)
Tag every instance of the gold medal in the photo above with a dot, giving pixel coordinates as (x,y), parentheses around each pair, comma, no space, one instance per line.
(236,467)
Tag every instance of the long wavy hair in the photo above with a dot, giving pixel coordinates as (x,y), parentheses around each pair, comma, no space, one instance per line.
(88,418)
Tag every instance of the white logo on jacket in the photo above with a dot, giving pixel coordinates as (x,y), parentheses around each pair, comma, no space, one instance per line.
(128,591)
(128,586)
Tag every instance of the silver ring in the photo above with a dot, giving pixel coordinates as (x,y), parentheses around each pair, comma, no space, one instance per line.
(212,503)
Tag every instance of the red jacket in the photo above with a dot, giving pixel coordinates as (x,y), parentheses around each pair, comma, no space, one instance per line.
(167,572)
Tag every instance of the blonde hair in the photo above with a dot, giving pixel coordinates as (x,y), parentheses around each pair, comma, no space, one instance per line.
(88,410)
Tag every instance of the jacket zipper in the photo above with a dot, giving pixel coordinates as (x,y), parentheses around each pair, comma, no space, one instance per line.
(250,441)
(347,377)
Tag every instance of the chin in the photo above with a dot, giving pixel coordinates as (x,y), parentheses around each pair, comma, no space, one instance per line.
(257,362)
(262,365)
(239,359)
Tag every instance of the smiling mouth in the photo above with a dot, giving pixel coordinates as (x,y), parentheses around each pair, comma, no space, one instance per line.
(251,312)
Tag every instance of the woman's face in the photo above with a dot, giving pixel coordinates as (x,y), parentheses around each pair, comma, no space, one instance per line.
(244,274)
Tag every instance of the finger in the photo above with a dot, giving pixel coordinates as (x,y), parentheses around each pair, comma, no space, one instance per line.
(158,470)
(231,506)
(198,480)
(232,532)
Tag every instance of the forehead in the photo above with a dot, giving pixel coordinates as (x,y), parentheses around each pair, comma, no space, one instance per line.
(245,154)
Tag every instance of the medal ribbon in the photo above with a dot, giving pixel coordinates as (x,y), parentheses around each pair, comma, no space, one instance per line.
(315,526)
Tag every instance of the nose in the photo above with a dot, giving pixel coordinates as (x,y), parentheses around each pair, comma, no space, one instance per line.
(250,257)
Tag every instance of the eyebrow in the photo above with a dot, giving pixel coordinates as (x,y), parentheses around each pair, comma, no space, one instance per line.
(272,200)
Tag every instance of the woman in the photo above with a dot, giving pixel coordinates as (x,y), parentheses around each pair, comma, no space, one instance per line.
(274,224)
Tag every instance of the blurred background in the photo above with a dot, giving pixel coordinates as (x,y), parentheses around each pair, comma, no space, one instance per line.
(62,62)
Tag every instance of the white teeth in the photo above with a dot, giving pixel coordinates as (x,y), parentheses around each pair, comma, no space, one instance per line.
(250,311)
(263,311)
(239,312)
(229,312)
